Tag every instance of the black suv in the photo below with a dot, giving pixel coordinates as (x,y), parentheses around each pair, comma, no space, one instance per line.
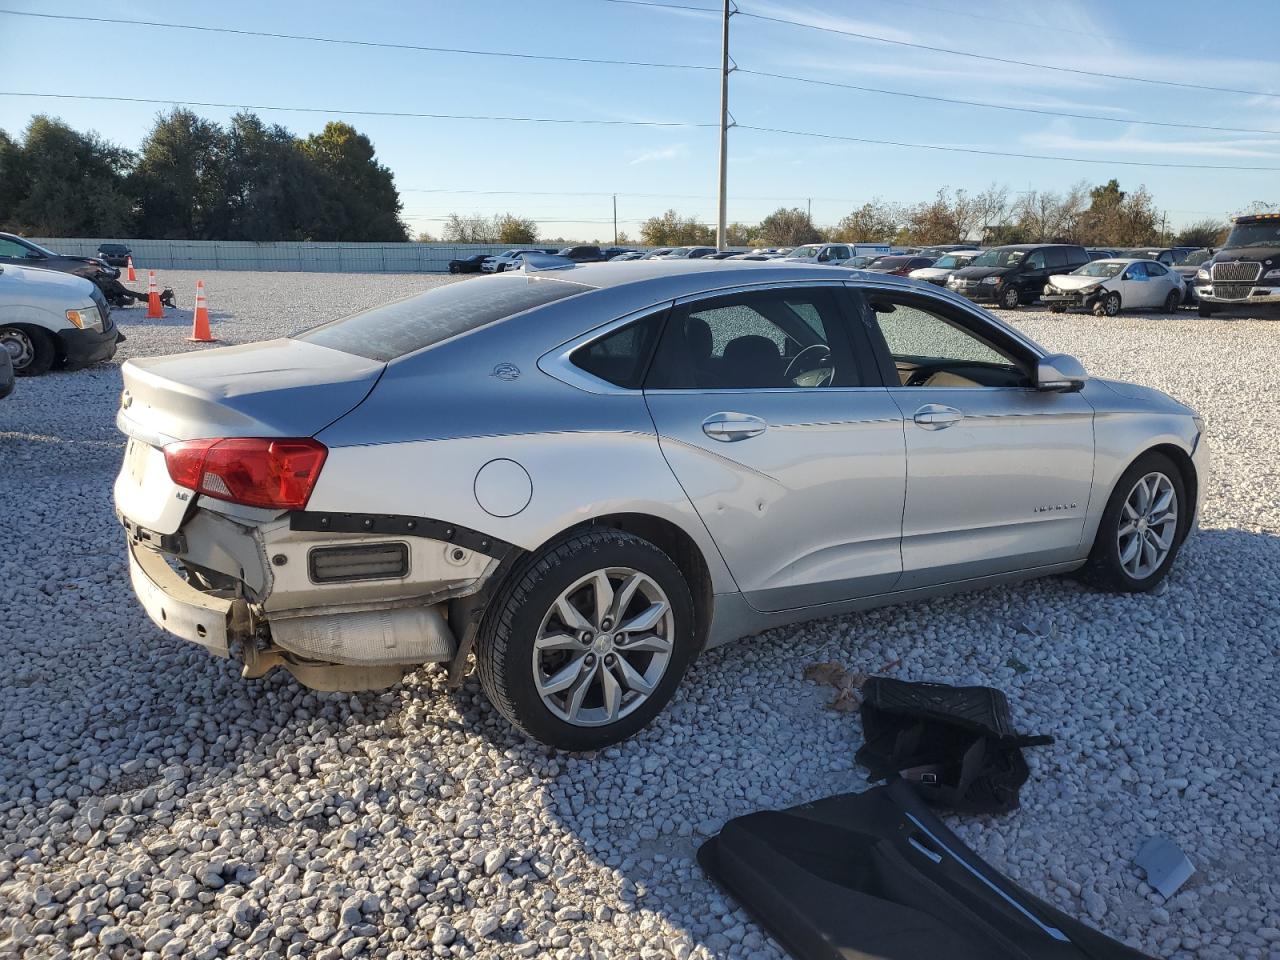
(1015,274)
(585,254)
(116,254)
(1246,271)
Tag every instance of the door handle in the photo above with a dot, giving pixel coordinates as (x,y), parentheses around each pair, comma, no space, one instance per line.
(936,416)
(728,427)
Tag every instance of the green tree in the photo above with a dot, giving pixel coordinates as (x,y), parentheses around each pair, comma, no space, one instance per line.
(738,234)
(358,196)
(515,230)
(788,227)
(59,182)
(1115,218)
(1203,233)
(270,187)
(874,222)
(179,179)
(673,230)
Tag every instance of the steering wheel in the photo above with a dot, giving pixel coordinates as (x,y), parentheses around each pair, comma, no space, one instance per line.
(796,359)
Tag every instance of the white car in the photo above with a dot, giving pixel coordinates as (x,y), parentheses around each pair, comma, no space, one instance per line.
(944,266)
(511,260)
(1108,286)
(832,253)
(50,319)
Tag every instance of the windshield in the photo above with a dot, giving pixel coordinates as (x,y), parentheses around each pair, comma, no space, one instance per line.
(998,258)
(1195,258)
(405,326)
(1100,268)
(954,260)
(810,251)
(1264,233)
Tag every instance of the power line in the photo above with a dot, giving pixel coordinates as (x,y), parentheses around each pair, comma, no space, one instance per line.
(1001,106)
(1002,153)
(663,6)
(1006,60)
(362,113)
(359,43)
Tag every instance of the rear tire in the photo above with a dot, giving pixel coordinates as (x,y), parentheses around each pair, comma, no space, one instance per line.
(32,351)
(546,652)
(1172,302)
(1137,541)
(1057,309)
(454,268)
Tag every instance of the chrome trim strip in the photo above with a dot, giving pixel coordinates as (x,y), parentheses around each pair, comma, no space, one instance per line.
(1051,931)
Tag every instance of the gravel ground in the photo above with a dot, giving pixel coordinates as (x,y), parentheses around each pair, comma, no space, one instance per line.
(152,804)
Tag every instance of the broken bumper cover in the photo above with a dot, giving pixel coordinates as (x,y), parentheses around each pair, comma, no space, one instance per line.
(877,874)
(177,607)
(1082,300)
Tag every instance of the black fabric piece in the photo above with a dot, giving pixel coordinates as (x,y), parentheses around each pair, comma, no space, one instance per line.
(956,745)
(877,876)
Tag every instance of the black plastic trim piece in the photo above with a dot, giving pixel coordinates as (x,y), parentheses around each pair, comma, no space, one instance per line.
(400,525)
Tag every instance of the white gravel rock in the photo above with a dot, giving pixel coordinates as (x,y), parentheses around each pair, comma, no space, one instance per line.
(153,803)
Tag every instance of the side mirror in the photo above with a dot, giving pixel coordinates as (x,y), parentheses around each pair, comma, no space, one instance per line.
(1060,372)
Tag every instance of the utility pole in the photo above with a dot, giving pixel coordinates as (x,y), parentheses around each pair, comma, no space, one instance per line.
(615,219)
(724,131)
(808,208)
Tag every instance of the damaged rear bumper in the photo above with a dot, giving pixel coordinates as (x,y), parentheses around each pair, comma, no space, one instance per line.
(266,592)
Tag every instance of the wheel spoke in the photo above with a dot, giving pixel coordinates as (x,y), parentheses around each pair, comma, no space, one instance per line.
(556,641)
(580,687)
(1130,551)
(1161,542)
(1163,499)
(563,678)
(571,616)
(1130,513)
(612,693)
(1144,495)
(1128,528)
(1148,553)
(647,619)
(632,678)
(604,595)
(622,599)
(645,643)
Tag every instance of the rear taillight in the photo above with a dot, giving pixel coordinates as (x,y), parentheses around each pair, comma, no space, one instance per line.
(254,471)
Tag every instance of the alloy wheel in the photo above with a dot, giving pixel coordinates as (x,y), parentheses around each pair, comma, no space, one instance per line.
(603,647)
(1148,525)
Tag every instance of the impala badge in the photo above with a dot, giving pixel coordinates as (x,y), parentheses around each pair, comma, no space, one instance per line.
(1054,507)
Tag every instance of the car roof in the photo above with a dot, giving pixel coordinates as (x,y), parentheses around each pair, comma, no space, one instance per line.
(679,278)
(1120,260)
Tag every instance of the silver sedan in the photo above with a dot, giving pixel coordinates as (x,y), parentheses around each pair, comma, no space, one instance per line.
(583,477)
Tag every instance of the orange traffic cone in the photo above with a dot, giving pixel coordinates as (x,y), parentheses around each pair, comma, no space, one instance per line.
(131,275)
(154,310)
(200,324)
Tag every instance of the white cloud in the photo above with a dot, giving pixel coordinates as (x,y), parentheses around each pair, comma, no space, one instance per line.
(673,152)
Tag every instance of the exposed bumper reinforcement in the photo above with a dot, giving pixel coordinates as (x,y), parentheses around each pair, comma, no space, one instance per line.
(179,608)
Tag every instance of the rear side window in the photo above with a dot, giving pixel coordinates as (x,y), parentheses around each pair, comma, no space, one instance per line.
(396,329)
(1057,257)
(621,357)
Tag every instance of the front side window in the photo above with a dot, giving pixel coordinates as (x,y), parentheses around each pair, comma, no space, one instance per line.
(930,349)
(1036,261)
(1136,272)
(10,249)
(809,251)
(777,339)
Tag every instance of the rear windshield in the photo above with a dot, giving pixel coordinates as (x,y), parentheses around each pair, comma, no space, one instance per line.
(405,326)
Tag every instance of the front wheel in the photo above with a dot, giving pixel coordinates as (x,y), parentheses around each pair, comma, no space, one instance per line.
(587,641)
(1205,310)
(1009,297)
(31,351)
(1142,527)
(1109,306)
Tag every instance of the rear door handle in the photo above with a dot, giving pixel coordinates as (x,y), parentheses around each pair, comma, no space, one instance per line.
(936,416)
(728,427)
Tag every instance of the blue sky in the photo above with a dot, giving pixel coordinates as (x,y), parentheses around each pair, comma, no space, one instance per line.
(554,170)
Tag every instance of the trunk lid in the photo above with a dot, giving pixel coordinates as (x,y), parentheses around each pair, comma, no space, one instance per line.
(280,388)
